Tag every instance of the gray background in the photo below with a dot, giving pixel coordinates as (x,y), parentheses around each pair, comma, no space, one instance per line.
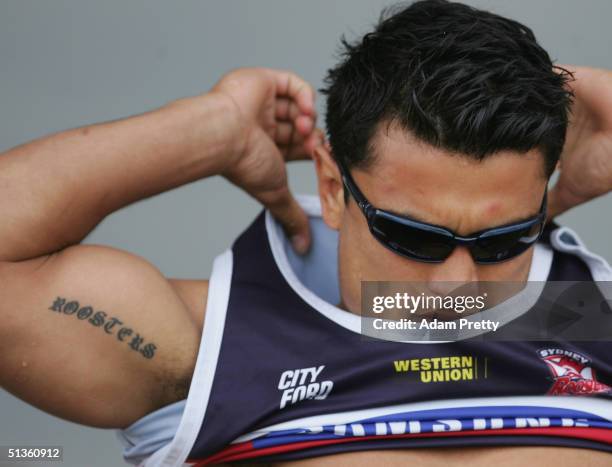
(65,63)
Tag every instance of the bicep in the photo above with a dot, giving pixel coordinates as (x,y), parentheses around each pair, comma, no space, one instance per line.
(95,335)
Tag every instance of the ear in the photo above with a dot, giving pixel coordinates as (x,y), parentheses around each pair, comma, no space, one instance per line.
(331,189)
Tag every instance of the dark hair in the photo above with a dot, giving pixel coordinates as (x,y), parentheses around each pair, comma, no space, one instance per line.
(461,79)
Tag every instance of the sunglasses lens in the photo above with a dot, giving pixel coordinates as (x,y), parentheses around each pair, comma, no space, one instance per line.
(496,247)
(411,241)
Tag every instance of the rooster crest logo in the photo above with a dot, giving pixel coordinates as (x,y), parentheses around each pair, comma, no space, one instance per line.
(572,375)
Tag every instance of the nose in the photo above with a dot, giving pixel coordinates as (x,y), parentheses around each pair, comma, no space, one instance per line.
(459,268)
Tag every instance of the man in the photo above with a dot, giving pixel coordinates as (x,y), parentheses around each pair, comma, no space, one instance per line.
(446,114)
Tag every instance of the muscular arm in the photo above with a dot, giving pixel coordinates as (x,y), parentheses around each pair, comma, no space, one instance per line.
(91,333)
(97,335)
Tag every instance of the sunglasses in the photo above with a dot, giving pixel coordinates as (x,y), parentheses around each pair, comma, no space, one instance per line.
(433,244)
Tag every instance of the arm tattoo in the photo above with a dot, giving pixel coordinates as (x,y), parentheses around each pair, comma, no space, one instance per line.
(100,319)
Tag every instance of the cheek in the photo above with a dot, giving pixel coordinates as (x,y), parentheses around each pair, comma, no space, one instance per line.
(393,267)
(354,245)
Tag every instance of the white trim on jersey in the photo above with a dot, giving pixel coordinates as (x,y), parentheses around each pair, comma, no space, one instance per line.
(175,453)
(503,313)
(565,239)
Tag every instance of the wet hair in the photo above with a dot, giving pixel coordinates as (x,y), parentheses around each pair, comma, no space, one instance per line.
(458,78)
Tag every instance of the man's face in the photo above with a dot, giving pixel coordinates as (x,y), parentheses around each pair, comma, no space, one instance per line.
(429,184)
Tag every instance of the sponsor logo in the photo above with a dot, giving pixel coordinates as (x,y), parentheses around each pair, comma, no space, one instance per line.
(442,369)
(302,384)
(572,373)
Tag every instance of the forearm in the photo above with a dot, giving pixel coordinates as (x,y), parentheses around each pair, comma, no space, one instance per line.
(55,190)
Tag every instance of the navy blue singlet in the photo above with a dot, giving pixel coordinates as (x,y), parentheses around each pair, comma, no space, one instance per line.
(284,374)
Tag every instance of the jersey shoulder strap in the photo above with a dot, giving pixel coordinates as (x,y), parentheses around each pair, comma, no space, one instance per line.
(572,260)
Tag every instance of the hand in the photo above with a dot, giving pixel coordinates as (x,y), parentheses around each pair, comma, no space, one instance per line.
(586,161)
(276,123)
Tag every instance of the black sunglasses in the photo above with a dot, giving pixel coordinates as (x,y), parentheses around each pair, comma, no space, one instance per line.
(433,244)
